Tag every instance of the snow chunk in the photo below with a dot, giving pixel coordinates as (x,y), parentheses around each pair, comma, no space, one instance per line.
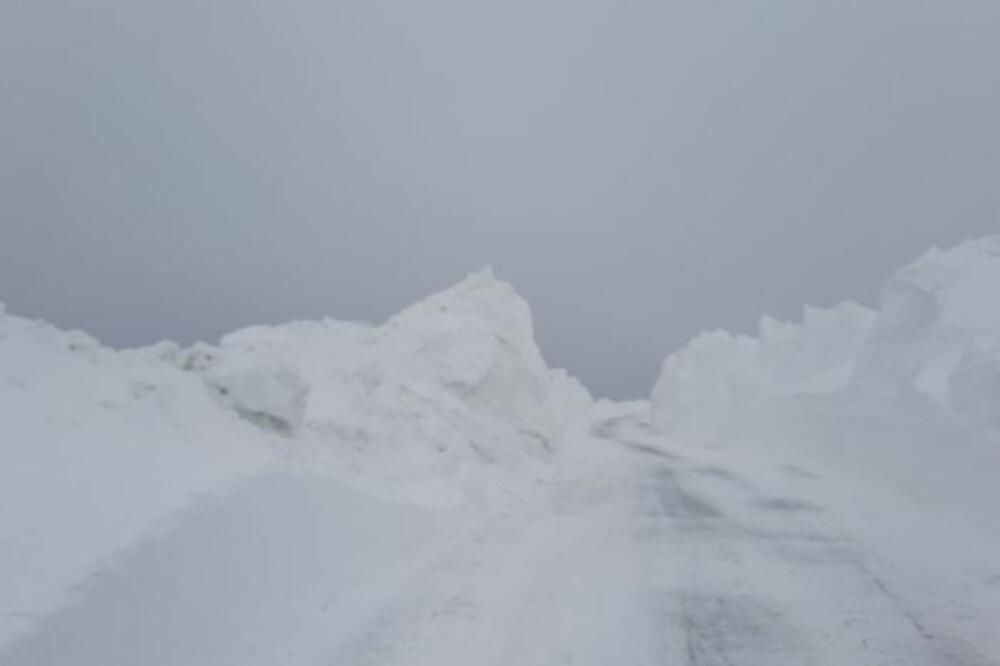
(262,389)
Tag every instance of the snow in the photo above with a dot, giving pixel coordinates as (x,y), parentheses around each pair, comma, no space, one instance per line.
(717,384)
(935,338)
(232,576)
(974,389)
(908,394)
(938,331)
(429,491)
(449,399)
(97,448)
(895,410)
(261,389)
(449,402)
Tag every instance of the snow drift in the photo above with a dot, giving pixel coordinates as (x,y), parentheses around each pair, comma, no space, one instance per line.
(934,343)
(938,333)
(900,405)
(718,384)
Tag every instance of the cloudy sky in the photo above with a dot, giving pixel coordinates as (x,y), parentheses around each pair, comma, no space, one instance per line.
(640,170)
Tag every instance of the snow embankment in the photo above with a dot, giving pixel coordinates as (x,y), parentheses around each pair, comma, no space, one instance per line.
(934,342)
(715,387)
(938,333)
(447,402)
(903,402)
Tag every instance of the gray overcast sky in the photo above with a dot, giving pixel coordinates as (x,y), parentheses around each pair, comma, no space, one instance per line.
(640,170)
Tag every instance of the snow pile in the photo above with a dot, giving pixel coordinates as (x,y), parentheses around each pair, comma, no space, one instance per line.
(933,343)
(445,399)
(477,341)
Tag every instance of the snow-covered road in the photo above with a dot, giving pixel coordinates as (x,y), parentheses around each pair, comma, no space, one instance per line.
(643,555)
(655,558)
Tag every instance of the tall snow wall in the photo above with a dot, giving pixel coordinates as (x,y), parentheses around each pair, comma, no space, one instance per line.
(934,340)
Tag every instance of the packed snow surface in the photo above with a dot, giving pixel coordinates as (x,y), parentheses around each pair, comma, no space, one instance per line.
(428,492)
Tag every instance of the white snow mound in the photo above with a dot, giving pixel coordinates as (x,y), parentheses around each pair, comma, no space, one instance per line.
(441,401)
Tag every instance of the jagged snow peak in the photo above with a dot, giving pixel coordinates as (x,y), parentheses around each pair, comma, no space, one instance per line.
(477,340)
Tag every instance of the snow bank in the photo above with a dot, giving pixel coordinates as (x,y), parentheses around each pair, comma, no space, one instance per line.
(443,400)
(97,448)
(938,333)
(901,405)
(934,342)
(717,384)
(448,401)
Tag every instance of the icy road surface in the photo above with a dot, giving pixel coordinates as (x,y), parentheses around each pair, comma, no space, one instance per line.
(642,556)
